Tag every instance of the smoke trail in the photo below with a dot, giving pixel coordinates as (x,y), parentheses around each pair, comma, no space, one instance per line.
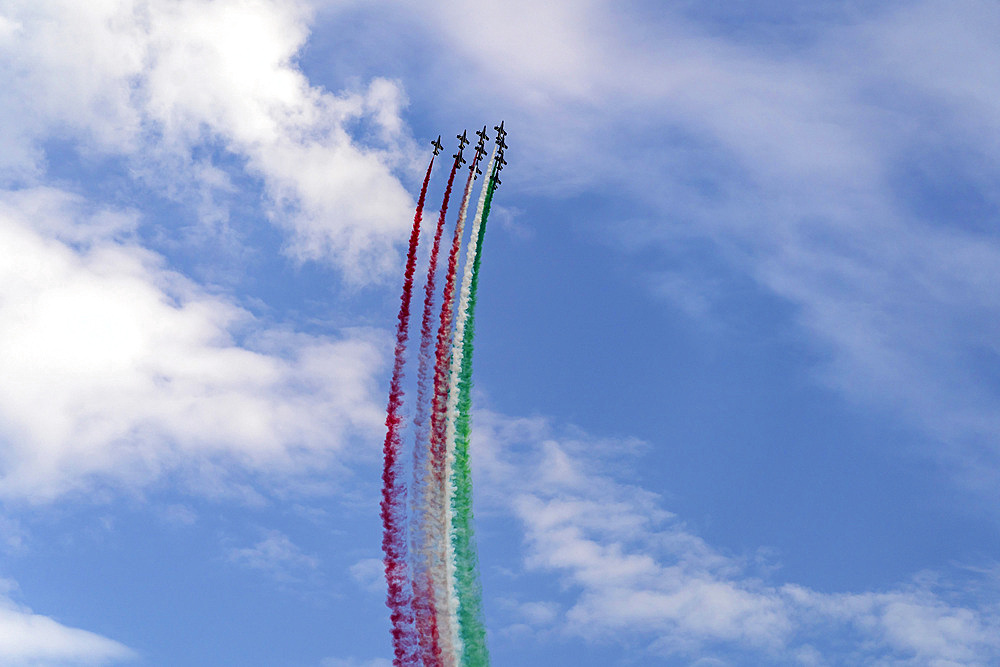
(399,598)
(439,409)
(467,583)
(428,616)
(468,626)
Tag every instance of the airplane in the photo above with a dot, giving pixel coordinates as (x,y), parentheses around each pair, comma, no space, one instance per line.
(501,143)
(437,145)
(500,162)
(463,141)
(480,151)
(479,172)
(482,136)
(501,133)
(458,156)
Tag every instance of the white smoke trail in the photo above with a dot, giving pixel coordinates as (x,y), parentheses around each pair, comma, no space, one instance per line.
(457,354)
(445,598)
(451,598)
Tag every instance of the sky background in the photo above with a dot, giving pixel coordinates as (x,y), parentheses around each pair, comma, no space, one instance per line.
(737,366)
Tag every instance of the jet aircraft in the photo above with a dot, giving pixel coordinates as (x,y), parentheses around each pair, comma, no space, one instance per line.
(458,156)
(437,145)
(501,133)
(463,141)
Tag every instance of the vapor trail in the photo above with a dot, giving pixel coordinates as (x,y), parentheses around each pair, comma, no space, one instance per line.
(399,598)
(435,635)
(472,631)
(439,413)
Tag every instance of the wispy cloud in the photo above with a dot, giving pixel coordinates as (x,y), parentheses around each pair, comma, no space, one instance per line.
(369,573)
(637,573)
(851,171)
(276,555)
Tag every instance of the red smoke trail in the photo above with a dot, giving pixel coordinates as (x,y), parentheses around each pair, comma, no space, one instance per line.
(428,626)
(443,351)
(442,364)
(393,508)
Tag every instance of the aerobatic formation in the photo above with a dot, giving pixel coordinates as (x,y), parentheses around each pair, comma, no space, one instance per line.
(431,562)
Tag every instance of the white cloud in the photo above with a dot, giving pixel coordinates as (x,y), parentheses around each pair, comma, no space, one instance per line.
(118,368)
(12,535)
(943,50)
(152,80)
(369,573)
(276,555)
(539,613)
(343,200)
(637,573)
(69,75)
(31,640)
(177,515)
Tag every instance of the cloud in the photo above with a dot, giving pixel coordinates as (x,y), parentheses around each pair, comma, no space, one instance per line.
(117,368)
(636,573)
(539,613)
(846,165)
(369,573)
(153,81)
(28,639)
(277,556)
(341,199)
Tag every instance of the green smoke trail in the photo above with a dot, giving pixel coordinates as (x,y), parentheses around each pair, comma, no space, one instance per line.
(451,411)
(467,583)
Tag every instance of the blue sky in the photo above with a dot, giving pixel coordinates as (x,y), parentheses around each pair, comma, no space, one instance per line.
(737,370)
